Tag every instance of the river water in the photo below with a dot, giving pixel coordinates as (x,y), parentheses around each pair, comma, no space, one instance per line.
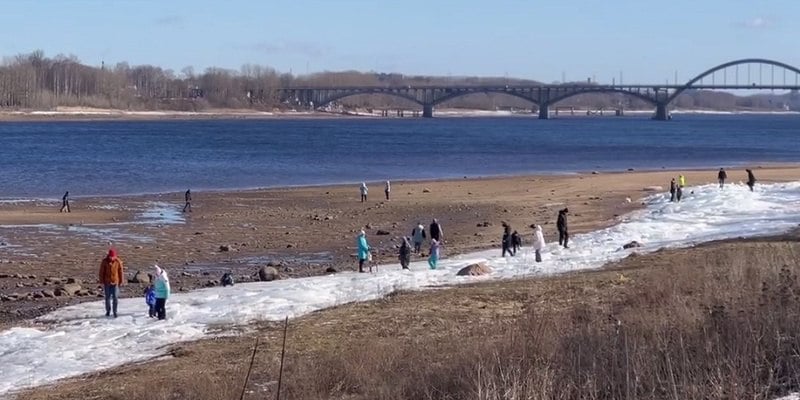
(43,159)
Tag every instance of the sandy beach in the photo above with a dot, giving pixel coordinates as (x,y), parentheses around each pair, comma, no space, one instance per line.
(300,231)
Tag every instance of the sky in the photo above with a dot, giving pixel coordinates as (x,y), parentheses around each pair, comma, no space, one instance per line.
(642,41)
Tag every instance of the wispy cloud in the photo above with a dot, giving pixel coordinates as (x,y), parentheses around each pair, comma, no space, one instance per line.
(302,48)
(168,20)
(757,23)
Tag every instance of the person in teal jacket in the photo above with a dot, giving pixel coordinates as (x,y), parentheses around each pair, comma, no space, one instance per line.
(433,259)
(162,290)
(363,250)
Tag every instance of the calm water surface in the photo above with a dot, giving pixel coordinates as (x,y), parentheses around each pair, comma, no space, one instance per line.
(42,159)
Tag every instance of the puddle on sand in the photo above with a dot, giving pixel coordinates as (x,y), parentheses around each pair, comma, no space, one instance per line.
(153,214)
(107,234)
(300,259)
(7,248)
(216,270)
(160,213)
(248,265)
(98,232)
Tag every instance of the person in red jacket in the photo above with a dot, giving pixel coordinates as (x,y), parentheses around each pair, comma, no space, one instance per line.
(112,276)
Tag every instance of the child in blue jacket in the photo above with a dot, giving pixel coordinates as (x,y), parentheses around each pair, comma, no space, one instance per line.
(150,299)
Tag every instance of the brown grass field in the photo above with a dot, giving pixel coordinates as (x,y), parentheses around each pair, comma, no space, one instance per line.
(717,321)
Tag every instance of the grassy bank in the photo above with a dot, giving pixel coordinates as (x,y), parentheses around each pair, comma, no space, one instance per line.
(719,321)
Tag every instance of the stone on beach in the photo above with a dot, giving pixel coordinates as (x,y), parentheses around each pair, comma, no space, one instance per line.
(139,277)
(267,274)
(476,269)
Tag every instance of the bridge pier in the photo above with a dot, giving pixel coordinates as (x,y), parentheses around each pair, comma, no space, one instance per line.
(427,111)
(544,111)
(661,112)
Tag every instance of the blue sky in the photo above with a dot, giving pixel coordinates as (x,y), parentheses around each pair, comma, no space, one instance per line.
(647,40)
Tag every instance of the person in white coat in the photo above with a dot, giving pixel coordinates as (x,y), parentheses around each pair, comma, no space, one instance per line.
(387,189)
(538,242)
(364,191)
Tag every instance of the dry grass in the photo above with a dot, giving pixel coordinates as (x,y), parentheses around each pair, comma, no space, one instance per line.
(715,322)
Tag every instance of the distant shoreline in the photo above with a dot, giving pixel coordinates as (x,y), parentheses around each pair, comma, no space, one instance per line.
(170,193)
(92,114)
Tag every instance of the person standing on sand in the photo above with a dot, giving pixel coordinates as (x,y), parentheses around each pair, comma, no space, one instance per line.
(363,250)
(188,197)
(751,179)
(364,191)
(681,181)
(112,276)
(433,259)
(721,176)
(672,190)
(387,189)
(65,203)
(538,242)
(162,291)
(563,228)
(436,231)
(418,234)
(405,253)
(506,241)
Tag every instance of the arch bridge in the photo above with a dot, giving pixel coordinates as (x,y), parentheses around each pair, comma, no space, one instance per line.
(744,74)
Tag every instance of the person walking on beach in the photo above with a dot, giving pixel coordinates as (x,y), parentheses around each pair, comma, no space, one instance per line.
(436,231)
(364,191)
(188,197)
(679,193)
(681,181)
(433,259)
(112,277)
(162,291)
(405,253)
(672,190)
(751,179)
(387,189)
(65,203)
(363,250)
(506,241)
(538,242)
(418,235)
(721,176)
(563,229)
(516,241)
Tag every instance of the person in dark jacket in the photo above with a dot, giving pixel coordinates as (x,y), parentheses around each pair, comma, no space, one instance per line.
(672,189)
(188,197)
(507,241)
(563,229)
(751,179)
(679,193)
(721,176)
(516,241)
(405,253)
(65,203)
(436,231)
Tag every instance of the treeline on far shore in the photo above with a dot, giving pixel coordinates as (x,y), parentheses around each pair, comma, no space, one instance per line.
(34,81)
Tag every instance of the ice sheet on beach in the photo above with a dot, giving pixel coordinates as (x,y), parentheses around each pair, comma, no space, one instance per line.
(77,339)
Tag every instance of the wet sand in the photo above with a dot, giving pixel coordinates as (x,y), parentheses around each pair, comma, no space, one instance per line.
(300,231)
